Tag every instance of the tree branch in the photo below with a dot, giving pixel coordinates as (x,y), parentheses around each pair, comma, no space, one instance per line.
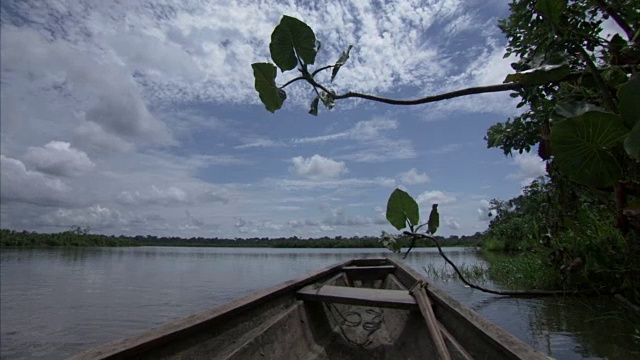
(434,98)
(292,81)
(303,78)
(609,10)
(523,293)
(607,97)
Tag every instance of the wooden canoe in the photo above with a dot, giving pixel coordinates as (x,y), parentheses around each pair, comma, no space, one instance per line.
(358,309)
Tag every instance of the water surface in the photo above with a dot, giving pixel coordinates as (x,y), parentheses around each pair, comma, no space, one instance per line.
(57,302)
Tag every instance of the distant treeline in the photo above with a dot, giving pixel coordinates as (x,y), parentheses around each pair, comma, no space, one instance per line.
(79,237)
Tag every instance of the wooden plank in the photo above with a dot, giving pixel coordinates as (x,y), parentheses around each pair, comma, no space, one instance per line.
(369,262)
(358,296)
(368,273)
(373,267)
(454,344)
(431,321)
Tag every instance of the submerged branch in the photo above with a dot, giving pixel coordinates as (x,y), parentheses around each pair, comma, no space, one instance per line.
(523,293)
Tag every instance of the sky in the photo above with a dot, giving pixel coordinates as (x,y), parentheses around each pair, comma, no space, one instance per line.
(140,117)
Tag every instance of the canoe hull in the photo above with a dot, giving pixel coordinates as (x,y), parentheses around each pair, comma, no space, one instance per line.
(297,320)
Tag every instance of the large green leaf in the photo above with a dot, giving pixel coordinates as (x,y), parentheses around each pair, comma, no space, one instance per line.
(629,101)
(402,208)
(541,75)
(265,84)
(434,220)
(341,61)
(632,142)
(289,38)
(313,110)
(580,147)
(575,108)
(552,9)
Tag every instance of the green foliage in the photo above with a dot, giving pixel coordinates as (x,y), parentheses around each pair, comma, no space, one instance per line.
(314,106)
(402,210)
(434,220)
(391,242)
(293,43)
(517,223)
(632,142)
(80,237)
(521,271)
(629,101)
(265,83)
(341,61)
(575,108)
(521,134)
(582,144)
(565,239)
(540,76)
(292,40)
(551,9)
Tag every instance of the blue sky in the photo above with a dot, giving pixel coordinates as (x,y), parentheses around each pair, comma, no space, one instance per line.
(141,118)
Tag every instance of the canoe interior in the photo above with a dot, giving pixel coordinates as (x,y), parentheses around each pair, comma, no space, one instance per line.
(359,309)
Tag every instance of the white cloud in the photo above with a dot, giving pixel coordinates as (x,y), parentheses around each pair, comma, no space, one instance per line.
(318,167)
(436,197)
(530,167)
(155,196)
(313,184)
(104,92)
(451,223)
(93,136)
(483,211)
(154,56)
(363,130)
(95,217)
(26,186)
(444,149)
(381,151)
(374,142)
(59,158)
(413,177)
(259,143)
(338,217)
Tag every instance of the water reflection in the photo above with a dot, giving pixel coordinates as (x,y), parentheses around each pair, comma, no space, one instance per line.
(57,302)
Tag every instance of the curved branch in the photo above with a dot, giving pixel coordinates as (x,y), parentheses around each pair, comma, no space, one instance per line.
(434,98)
(321,69)
(528,293)
(449,95)
(292,81)
(303,78)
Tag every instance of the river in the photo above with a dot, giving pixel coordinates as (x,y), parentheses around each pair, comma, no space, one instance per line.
(57,302)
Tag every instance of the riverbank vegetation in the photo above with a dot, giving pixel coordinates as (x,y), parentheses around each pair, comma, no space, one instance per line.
(80,237)
(579,226)
(555,242)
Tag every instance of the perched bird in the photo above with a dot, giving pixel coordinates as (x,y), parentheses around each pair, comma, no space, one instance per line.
(434,220)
